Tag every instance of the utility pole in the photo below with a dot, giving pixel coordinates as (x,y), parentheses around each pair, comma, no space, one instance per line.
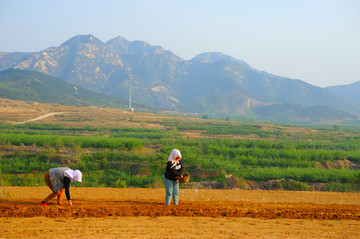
(130,108)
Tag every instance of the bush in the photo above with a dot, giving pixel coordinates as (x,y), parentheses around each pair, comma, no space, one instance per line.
(235,183)
(293,185)
(342,187)
(120,183)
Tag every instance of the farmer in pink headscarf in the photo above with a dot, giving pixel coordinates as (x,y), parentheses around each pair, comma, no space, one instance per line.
(174,170)
(58,180)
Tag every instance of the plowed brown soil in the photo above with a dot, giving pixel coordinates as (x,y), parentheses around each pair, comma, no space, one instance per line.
(141,213)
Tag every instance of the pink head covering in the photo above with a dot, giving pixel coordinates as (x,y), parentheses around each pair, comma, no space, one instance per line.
(174,153)
(74,175)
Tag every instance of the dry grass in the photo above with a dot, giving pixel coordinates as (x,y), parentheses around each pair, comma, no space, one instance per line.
(13,112)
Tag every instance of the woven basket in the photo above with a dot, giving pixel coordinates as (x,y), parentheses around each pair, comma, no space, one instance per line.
(185,178)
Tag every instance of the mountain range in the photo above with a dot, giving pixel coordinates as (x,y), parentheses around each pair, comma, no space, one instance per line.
(210,84)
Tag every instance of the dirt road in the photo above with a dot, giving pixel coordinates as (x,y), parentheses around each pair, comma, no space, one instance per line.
(40,117)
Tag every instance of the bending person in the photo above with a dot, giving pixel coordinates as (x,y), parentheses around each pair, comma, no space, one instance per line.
(174,169)
(58,180)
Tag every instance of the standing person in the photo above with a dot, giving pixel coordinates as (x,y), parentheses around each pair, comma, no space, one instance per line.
(174,169)
(58,180)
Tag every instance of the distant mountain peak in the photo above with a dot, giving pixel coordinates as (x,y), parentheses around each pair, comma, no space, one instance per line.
(212,57)
(118,41)
(82,39)
(122,45)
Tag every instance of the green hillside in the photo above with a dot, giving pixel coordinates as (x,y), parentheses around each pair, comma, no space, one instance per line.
(35,86)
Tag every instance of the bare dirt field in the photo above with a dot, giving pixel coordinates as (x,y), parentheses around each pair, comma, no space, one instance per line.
(141,213)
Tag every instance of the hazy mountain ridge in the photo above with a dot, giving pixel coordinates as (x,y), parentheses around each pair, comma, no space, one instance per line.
(294,113)
(350,91)
(211,83)
(9,60)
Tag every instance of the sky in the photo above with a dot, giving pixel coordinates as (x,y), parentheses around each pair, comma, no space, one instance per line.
(316,41)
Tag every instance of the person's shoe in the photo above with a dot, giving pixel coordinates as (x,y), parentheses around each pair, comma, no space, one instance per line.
(43,203)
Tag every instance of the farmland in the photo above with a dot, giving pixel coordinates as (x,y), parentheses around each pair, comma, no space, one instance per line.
(121,149)
(295,182)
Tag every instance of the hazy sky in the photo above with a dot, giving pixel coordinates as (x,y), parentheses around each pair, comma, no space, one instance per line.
(317,41)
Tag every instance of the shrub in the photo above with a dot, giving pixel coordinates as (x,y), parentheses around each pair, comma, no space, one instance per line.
(342,187)
(293,185)
(120,183)
(235,182)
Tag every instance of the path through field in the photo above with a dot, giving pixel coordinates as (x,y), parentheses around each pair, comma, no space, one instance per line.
(140,213)
(40,117)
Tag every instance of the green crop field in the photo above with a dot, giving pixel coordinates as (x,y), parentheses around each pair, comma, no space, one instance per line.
(231,154)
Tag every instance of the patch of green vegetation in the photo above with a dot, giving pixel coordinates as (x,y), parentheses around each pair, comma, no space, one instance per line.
(136,157)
